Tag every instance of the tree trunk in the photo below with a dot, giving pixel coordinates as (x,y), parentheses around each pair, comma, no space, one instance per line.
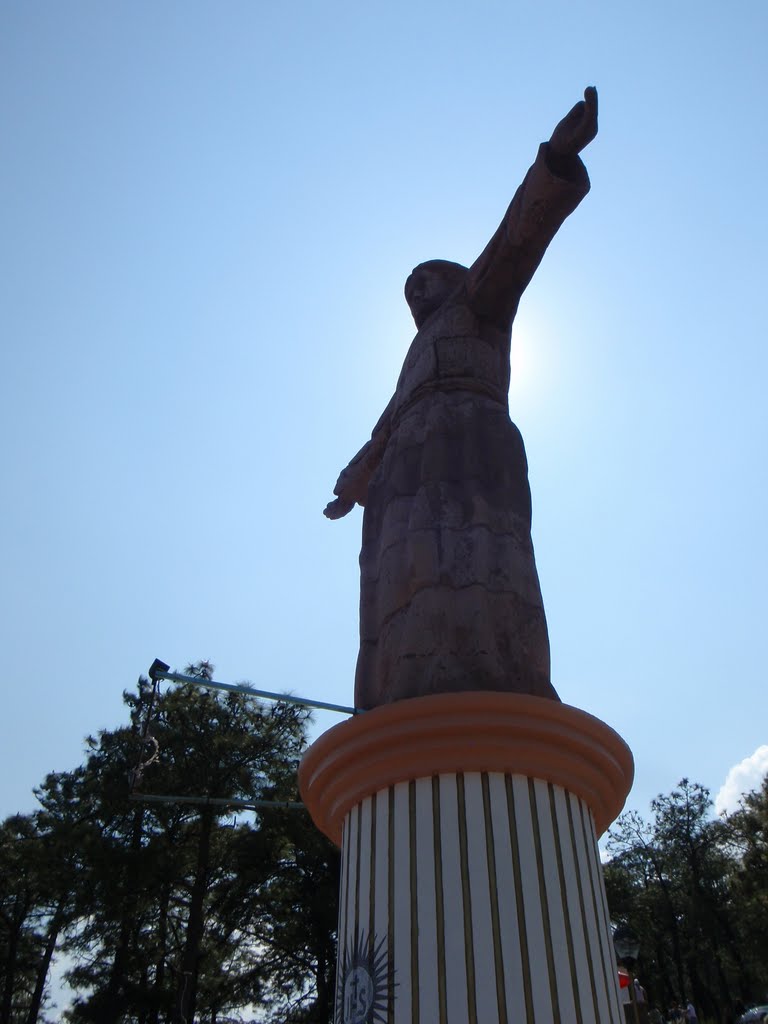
(324,1007)
(111,1009)
(162,942)
(677,953)
(190,960)
(6,1009)
(10,975)
(42,973)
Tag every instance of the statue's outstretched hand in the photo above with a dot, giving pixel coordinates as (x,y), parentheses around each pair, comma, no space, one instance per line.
(578,127)
(352,485)
(338,508)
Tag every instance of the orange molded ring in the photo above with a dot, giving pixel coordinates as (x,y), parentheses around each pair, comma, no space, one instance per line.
(474,731)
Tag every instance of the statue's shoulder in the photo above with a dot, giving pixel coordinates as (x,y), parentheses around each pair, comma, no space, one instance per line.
(452,320)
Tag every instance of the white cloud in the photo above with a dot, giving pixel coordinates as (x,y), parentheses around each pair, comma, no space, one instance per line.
(742,778)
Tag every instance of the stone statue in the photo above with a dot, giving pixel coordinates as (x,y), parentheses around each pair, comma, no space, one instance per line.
(450,597)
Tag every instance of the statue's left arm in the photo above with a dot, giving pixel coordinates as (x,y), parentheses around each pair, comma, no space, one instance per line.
(553,188)
(352,486)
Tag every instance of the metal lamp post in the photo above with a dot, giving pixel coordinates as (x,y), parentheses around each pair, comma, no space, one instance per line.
(627,946)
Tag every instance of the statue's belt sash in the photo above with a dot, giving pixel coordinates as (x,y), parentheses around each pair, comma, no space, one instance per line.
(473,385)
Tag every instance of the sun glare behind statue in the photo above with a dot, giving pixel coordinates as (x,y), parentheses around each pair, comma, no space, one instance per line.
(519,360)
(527,363)
(532,376)
(391,337)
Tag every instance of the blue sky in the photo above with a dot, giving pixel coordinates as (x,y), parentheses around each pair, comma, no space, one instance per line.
(209,211)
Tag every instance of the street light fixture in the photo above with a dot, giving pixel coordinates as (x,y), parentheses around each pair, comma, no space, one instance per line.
(627,946)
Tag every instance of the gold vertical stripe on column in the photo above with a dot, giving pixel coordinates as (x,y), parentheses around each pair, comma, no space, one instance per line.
(341,927)
(582,906)
(466,895)
(391,907)
(414,879)
(601,919)
(359,813)
(519,902)
(598,922)
(565,907)
(603,924)
(347,855)
(437,838)
(348,890)
(493,889)
(544,903)
(601,884)
(372,879)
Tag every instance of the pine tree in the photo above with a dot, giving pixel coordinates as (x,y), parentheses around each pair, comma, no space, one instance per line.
(170,911)
(747,834)
(673,880)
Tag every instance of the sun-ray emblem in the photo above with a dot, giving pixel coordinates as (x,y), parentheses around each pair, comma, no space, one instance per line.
(365,984)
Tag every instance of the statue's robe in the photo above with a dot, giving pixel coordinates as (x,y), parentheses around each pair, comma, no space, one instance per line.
(450,597)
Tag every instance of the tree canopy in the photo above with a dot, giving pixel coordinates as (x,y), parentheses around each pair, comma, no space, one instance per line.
(173,911)
(694,889)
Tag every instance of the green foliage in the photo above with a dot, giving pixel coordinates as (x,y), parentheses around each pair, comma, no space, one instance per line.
(747,834)
(170,911)
(20,914)
(693,888)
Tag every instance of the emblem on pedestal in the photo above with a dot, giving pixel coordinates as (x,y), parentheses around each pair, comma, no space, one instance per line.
(365,985)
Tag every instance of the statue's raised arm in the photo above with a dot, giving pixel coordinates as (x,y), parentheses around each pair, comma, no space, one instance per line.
(550,192)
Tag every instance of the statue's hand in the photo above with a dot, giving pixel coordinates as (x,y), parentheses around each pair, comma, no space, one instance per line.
(338,508)
(352,485)
(578,127)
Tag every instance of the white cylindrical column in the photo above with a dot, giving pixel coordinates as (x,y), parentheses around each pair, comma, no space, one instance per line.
(471,896)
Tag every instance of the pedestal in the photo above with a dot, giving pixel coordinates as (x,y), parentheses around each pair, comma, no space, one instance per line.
(471,889)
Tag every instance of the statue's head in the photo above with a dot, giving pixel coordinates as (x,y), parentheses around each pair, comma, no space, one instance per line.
(430,284)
